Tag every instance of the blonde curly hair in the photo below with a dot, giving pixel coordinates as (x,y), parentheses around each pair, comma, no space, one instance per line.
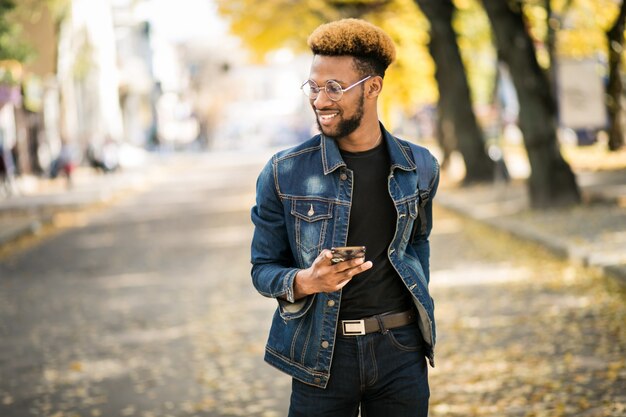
(355,37)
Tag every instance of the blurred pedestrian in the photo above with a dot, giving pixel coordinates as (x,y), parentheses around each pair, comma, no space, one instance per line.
(8,141)
(353,334)
(103,157)
(65,163)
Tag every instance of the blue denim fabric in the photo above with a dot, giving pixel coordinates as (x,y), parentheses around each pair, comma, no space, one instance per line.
(385,374)
(303,206)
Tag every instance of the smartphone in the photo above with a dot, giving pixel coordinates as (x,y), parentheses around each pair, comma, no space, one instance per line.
(345,253)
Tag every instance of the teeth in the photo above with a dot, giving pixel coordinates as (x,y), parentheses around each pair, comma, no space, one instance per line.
(327,116)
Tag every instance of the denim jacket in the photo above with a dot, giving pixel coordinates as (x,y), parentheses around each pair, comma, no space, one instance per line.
(303,206)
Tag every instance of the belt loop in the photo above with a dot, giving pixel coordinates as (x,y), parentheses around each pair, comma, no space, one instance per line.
(381,325)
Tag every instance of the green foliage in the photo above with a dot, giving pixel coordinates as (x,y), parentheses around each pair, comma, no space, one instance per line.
(11,46)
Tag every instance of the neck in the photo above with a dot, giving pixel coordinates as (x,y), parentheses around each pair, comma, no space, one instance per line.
(366,137)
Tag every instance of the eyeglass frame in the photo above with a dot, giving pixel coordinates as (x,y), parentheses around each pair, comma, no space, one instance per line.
(343,90)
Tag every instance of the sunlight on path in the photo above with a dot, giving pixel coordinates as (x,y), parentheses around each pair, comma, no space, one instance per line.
(521,333)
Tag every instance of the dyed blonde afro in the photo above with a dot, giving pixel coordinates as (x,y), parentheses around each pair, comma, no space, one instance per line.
(357,38)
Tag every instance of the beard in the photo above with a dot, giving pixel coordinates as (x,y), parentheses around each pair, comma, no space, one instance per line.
(345,126)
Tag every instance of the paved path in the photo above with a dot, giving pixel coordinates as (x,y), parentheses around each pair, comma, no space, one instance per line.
(145,308)
(521,333)
(591,234)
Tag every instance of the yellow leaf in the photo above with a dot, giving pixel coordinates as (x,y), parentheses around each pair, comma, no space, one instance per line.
(76,366)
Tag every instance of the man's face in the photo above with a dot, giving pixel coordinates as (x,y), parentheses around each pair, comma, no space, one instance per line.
(337,119)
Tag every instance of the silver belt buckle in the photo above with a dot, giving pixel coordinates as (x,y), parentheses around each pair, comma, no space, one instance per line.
(353,327)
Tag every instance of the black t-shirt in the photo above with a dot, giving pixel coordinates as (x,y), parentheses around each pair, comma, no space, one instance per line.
(372,224)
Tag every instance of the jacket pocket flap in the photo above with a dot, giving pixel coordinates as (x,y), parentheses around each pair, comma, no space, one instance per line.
(311,210)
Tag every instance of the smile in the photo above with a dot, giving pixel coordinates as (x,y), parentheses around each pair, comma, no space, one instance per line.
(326,117)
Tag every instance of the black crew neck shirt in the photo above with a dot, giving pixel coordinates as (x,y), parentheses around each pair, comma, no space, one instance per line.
(372,224)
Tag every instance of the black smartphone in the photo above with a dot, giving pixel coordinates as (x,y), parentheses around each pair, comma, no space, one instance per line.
(345,253)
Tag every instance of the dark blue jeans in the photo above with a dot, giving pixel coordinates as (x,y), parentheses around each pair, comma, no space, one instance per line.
(383,374)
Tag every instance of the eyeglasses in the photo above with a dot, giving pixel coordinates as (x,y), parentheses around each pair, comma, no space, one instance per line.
(332,89)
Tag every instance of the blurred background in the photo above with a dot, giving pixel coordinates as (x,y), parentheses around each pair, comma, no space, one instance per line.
(131,135)
(111,79)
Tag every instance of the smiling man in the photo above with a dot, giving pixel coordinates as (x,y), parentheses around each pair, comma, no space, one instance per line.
(354,333)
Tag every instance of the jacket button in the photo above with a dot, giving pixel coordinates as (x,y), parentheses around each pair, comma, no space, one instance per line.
(343,176)
(330,303)
(317,380)
(325,344)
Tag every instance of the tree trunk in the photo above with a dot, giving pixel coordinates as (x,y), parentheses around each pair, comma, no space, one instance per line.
(455,105)
(615,40)
(445,137)
(552,182)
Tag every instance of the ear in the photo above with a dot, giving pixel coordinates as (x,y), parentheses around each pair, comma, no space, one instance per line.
(374,86)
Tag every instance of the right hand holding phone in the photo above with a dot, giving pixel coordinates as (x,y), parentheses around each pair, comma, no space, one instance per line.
(324,276)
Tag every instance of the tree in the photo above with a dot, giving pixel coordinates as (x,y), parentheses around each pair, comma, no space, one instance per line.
(408,81)
(457,125)
(584,29)
(615,43)
(11,46)
(552,182)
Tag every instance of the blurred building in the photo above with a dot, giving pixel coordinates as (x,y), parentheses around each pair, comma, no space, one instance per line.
(138,88)
(69,91)
(88,74)
(268,108)
(143,74)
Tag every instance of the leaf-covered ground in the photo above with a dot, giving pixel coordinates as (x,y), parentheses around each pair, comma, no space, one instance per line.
(521,333)
(147,310)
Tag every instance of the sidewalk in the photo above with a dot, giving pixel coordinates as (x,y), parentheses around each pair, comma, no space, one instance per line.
(38,200)
(591,234)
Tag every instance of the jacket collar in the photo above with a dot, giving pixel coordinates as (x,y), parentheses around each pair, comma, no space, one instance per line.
(398,155)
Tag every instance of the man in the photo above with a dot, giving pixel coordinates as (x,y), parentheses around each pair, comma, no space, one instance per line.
(354,334)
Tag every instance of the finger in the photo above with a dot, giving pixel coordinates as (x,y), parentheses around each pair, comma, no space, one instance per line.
(347,265)
(349,273)
(325,254)
(342,284)
(356,262)
(360,268)
(367,265)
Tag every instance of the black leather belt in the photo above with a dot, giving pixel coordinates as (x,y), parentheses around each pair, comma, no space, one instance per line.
(378,323)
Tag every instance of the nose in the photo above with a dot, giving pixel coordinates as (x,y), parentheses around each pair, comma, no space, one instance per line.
(321,100)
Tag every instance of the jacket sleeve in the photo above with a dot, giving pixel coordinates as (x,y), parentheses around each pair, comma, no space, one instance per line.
(273,264)
(421,243)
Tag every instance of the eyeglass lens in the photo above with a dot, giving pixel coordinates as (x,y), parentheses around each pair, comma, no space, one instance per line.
(332,88)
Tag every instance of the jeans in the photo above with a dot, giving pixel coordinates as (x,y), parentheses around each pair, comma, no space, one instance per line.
(385,374)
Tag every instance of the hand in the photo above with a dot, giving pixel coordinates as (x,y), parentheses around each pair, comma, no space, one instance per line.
(323,276)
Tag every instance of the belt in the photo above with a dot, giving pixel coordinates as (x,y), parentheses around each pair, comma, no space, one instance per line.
(378,323)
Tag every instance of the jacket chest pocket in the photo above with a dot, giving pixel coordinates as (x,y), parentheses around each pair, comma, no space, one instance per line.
(312,218)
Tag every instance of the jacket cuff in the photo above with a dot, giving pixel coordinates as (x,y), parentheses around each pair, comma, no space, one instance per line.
(289,308)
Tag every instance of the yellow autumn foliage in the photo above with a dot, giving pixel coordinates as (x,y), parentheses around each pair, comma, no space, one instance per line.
(265,26)
(580,25)
(273,24)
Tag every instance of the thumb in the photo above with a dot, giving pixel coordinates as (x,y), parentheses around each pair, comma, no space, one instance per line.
(324,256)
